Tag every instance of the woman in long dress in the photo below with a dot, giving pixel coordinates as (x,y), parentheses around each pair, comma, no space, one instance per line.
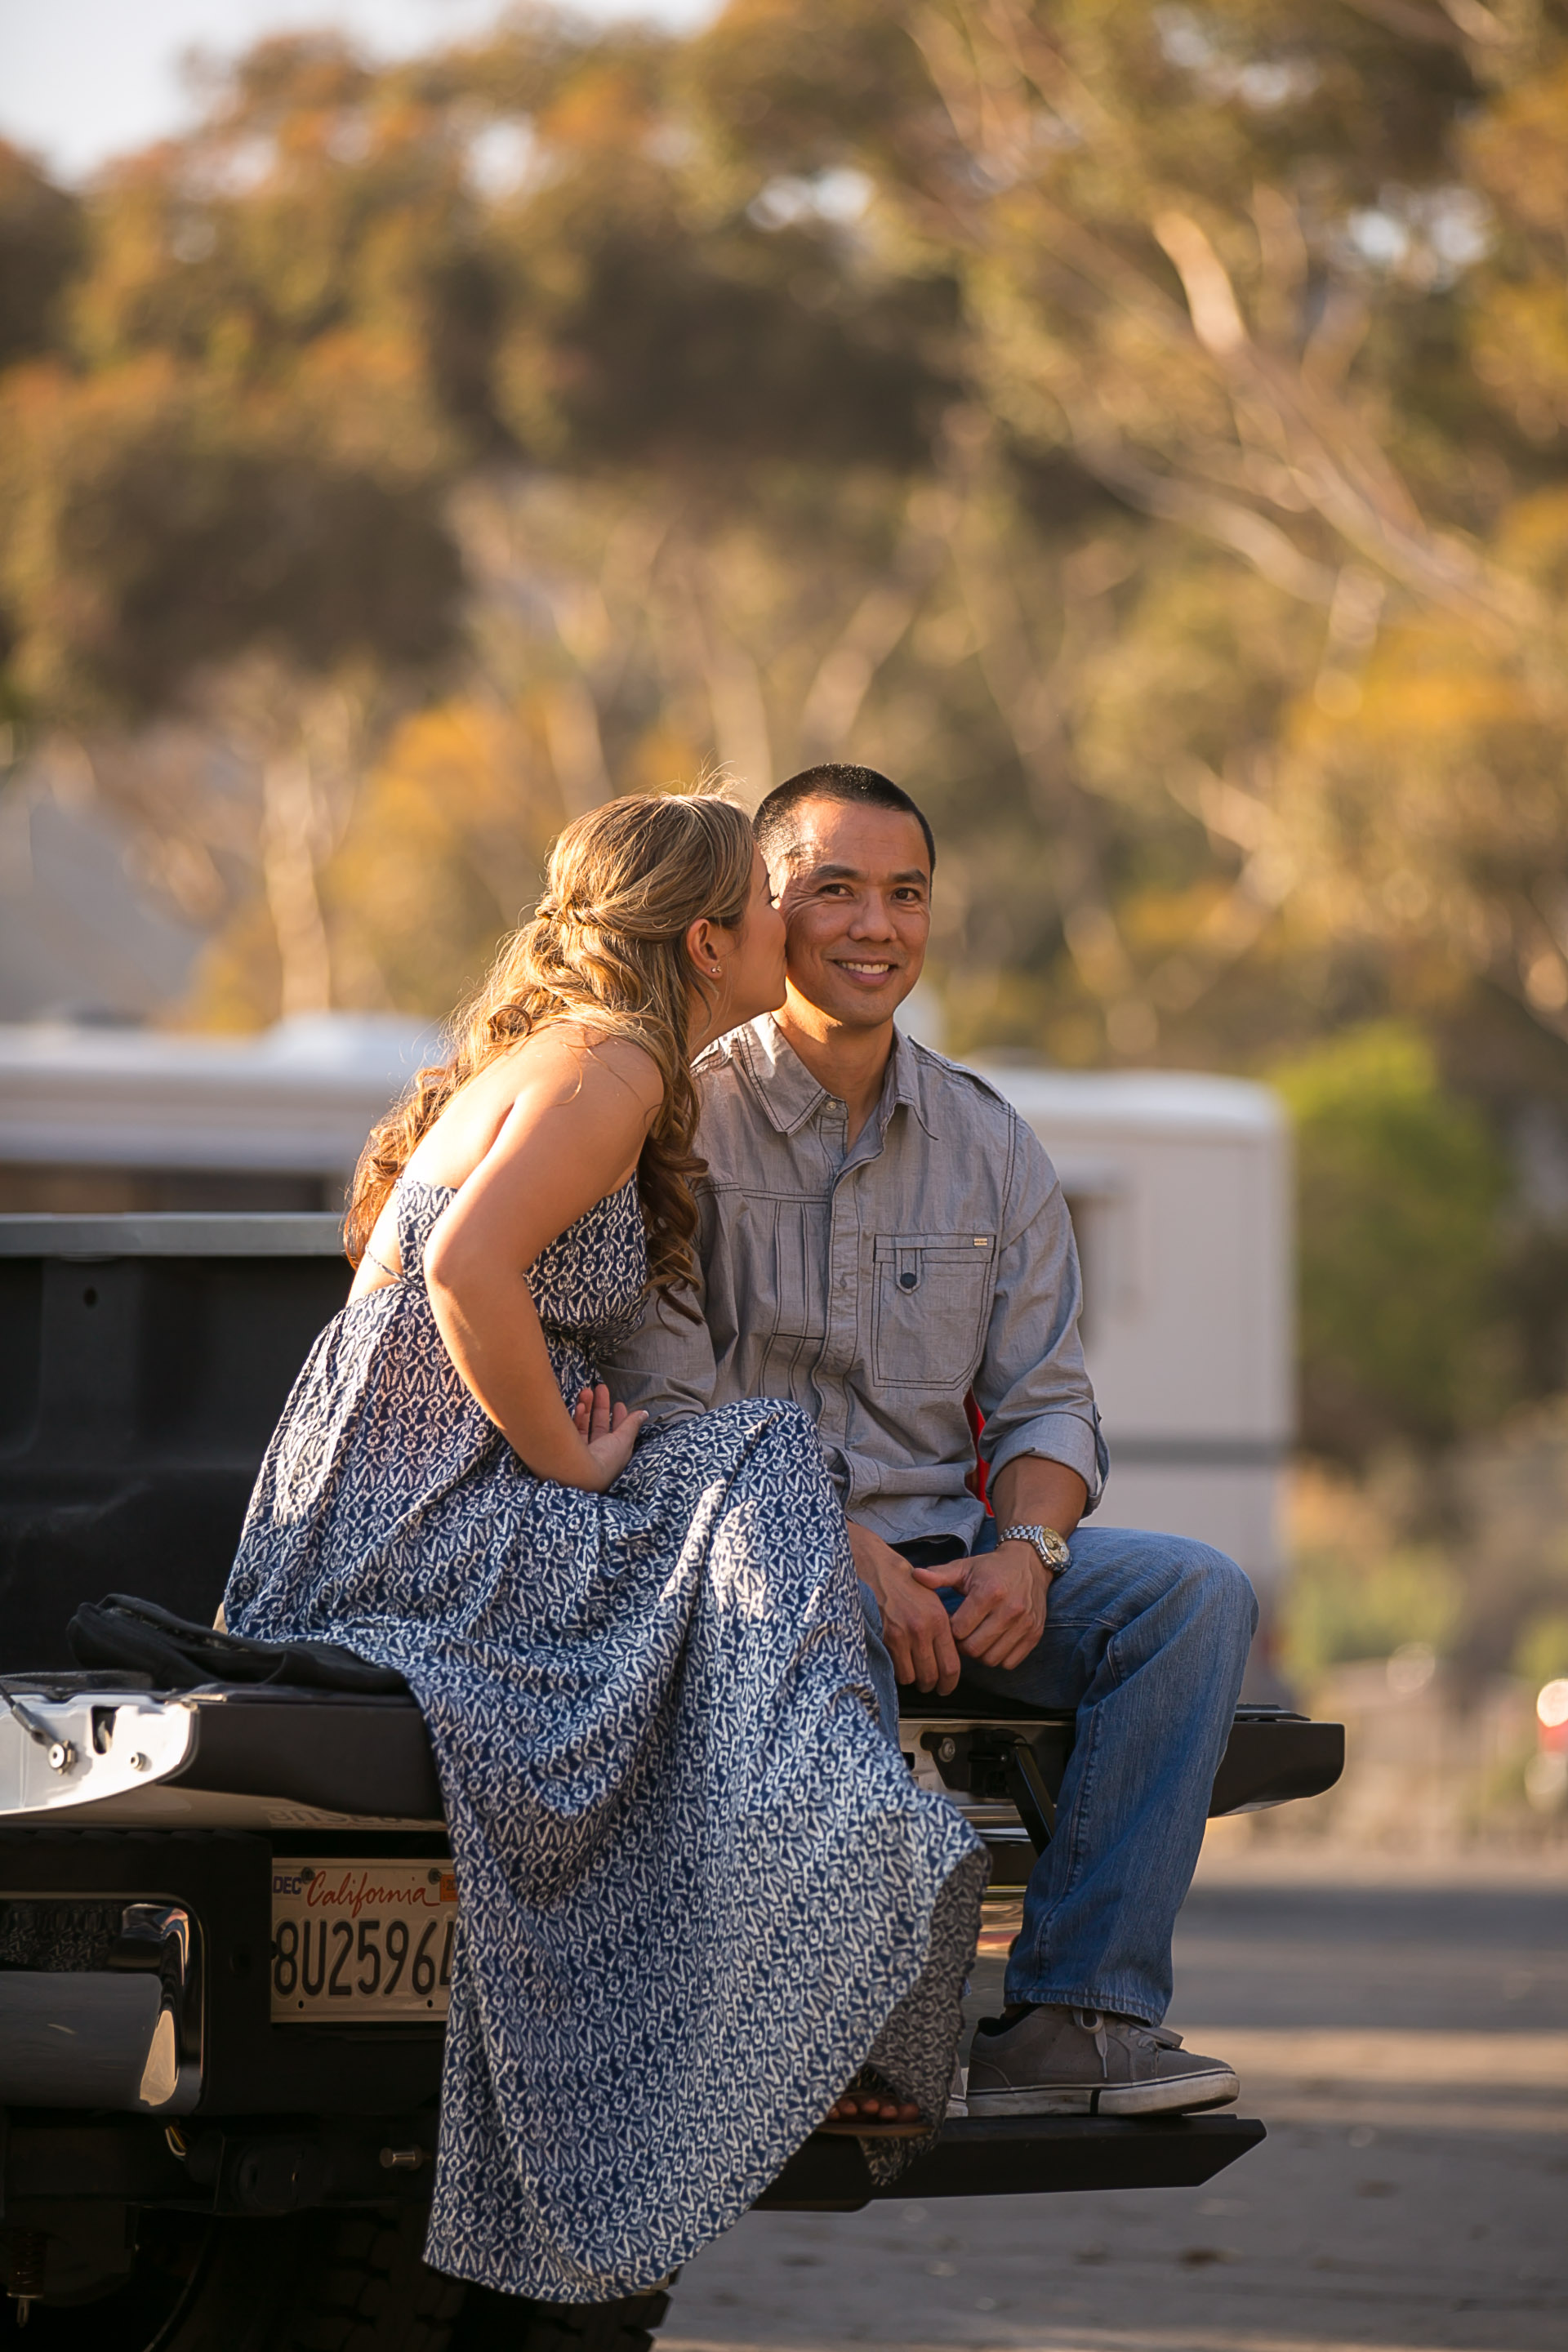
(700,1892)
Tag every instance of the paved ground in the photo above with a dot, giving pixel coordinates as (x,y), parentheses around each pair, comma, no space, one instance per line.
(1406,2040)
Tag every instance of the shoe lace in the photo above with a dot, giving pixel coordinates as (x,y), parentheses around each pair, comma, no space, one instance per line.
(1093,2022)
(1153,2037)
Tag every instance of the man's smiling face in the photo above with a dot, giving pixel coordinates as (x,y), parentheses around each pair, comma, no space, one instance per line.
(855,897)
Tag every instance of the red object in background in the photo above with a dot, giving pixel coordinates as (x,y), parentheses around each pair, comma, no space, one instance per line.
(1552,1716)
(976,1482)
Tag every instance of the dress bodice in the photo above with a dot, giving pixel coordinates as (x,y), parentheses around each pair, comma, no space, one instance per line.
(587,1284)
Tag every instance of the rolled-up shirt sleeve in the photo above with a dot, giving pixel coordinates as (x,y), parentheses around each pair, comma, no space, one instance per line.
(1031,1386)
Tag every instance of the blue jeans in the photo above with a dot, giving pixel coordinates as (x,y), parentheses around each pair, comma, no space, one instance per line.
(1146,1640)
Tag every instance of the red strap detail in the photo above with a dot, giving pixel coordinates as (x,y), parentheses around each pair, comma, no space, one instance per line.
(976,1482)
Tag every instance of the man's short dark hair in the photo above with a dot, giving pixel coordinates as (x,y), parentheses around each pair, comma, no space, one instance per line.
(835,780)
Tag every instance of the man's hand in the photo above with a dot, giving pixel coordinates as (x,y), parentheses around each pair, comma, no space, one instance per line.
(915,1625)
(1005,1593)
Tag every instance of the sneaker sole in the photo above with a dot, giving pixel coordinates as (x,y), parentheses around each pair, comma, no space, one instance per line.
(1166,2098)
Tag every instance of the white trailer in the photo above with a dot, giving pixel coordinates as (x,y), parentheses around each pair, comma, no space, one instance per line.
(1180,1195)
(106,1120)
(1179,1186)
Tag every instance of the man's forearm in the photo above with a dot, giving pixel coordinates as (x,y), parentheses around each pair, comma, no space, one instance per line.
(1030,1491)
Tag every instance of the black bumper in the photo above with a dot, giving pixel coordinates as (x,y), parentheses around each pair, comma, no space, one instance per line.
(268,2164)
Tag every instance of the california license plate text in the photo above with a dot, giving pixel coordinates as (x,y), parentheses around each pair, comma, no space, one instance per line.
(361,1939)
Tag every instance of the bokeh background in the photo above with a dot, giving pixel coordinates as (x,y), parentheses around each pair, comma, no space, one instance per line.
(1138,428)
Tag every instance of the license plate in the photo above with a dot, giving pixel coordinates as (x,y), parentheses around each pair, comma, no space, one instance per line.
(361,1939)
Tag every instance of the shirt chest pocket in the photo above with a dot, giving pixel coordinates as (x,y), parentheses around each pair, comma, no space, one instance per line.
(930,1300)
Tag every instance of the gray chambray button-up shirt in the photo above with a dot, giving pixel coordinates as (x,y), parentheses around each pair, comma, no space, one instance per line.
(876,1286)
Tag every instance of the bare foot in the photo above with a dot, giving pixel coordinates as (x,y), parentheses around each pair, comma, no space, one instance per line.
(871,2107)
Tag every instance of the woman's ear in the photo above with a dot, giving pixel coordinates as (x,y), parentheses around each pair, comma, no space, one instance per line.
(702,947)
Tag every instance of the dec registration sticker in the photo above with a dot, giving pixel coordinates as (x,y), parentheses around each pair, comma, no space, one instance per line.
(361,1939)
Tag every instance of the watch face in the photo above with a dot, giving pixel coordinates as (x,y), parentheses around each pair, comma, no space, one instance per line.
(1051,1547)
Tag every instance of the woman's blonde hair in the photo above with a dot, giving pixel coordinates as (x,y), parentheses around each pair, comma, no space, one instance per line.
(606,947)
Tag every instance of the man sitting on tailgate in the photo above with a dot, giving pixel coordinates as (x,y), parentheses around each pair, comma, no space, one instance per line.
(881,1235)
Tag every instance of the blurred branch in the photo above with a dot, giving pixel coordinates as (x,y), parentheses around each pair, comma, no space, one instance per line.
(991,77)
(1458,23)
(292,846)
(730,680)
(845,674)
(576,749)
(1028,696)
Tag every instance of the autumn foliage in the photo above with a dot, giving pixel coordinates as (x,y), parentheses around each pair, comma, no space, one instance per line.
(1140,429)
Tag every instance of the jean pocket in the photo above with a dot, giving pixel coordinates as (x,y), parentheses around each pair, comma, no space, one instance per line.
(931,1298)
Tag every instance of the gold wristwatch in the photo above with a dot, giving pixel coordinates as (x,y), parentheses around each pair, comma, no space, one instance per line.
(1052,1549)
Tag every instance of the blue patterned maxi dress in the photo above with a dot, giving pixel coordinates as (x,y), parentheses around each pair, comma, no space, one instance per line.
(697,1888)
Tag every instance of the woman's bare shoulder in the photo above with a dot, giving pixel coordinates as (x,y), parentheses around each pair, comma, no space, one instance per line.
(571,1068)
(591,1059)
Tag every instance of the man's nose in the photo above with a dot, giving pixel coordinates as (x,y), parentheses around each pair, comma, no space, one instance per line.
(873,918)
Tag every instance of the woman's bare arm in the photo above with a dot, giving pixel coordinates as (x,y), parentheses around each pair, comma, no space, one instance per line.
(577,1121)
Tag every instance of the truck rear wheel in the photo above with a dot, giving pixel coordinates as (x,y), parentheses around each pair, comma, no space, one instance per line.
(310,2282)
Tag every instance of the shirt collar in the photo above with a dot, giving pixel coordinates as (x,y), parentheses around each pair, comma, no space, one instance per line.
(792,1098)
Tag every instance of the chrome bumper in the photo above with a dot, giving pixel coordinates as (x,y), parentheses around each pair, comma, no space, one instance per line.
(57,1752)
(126,2036)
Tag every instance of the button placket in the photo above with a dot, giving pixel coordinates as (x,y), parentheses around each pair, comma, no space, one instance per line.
(844,1259)
(844,1266)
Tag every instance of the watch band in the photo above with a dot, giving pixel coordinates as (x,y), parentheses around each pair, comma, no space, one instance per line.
(1052,1548)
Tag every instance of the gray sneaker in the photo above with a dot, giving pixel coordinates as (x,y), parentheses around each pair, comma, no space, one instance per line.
(1077,2061)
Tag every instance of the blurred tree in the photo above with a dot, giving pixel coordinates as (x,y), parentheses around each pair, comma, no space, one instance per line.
(1508,1491)
(1342,1605)
(1114,418)
(236,566)
(40,247)
(447,838)
(1400,1184)
(221,519)
(1236,261)
(156,528)
(1541,1654)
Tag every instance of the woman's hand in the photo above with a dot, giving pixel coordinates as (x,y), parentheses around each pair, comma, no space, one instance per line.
(609,1432)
